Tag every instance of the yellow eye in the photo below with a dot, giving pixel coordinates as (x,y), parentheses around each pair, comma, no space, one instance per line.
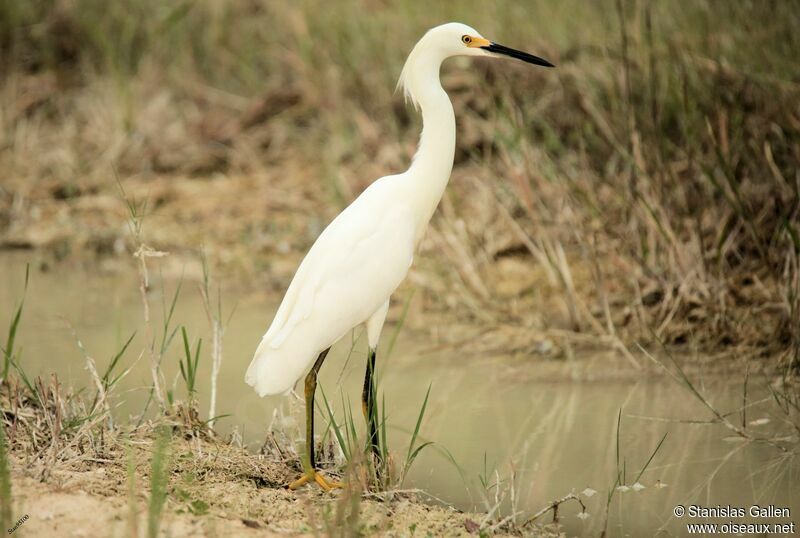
(466,39)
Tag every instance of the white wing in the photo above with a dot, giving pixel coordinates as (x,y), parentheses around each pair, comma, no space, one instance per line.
(349,272)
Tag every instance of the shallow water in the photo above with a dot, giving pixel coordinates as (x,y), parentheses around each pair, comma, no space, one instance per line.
(553,434)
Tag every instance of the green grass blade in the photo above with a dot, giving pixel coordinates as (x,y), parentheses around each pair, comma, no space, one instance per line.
(336,429)
(650,459)
(167,336)
(350,440)
(416,452)
(116,359)
(349,422)
(8,353)
(186,350)
(24,378)
(417,426)
(196,366)
(384,445)
(213,419)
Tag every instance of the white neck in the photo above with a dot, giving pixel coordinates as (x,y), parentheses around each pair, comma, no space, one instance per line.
(429,172)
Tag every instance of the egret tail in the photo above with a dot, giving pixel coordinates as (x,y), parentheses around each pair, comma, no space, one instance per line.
(271,373)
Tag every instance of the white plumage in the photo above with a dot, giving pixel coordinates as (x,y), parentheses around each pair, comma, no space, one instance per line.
(358,261)
(345,279)
(354,266)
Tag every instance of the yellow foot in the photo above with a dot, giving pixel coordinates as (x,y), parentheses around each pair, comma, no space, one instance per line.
(314,476)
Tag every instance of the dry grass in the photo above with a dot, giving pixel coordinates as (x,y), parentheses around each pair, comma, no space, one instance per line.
(217,482)
(647,187)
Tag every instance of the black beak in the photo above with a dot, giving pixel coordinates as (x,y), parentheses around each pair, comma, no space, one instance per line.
(518,54)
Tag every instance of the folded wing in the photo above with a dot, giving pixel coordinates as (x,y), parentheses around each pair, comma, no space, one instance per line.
(350,271)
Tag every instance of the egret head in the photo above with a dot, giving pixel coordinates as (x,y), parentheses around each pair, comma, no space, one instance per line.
(456,39)
(445,41)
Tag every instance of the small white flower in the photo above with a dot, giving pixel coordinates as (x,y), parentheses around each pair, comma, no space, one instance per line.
(588,492)
(583,515)
(623,488)
(638,486)
(759,421)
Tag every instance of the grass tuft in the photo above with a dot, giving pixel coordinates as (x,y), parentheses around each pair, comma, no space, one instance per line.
(189,364)
(375,474)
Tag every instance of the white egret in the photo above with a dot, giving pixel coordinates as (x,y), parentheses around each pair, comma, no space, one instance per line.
(357,262)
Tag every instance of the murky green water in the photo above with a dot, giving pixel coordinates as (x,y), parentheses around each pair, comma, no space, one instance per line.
(553,435)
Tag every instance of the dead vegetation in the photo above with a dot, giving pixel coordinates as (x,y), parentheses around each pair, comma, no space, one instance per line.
(63,450)
(645,190)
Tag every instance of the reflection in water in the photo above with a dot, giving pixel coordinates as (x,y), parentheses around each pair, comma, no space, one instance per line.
(552,436)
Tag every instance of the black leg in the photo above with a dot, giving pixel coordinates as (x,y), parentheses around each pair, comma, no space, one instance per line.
(311,387)
(369,406)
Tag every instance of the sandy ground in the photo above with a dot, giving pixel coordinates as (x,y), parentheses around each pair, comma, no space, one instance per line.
(71,512)
(67,510)
(215,489)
